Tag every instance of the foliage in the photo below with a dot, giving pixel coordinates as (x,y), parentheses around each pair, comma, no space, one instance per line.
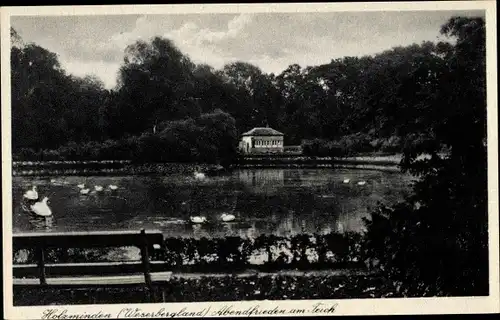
(301,251)
(370,103)
(436,242)
(209,139)
(321,148)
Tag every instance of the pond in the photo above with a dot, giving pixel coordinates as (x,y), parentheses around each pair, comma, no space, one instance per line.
(283,202)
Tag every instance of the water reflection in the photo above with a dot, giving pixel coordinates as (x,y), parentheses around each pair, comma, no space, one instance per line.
(278,201)
(198,231)
(262,180)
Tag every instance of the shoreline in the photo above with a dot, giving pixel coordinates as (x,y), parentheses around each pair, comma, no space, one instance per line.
(127,167)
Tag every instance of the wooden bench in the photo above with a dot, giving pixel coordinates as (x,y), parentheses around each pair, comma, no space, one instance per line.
(90,274)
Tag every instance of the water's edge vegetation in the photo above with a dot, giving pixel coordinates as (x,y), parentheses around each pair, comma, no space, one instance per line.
(114,167)
(329,266)
(265,253)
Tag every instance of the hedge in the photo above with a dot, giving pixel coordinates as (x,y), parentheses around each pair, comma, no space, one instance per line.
(302,251)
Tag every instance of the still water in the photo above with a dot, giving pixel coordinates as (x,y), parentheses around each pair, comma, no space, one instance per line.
(265,201)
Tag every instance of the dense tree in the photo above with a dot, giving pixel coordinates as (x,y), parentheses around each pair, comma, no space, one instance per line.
(258,101)
(155,83)
(436,243)
(364,104)
(49,107)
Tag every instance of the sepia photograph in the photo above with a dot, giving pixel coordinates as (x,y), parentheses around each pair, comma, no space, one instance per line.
(158,155)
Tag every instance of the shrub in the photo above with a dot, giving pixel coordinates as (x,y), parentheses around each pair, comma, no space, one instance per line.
(321,148)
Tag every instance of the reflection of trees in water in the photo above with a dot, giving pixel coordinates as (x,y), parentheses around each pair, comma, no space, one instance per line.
(189,198)
(159,195)
(262,180)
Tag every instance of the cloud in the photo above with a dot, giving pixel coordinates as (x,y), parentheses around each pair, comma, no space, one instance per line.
(202,44)
(106,71)
(271,41)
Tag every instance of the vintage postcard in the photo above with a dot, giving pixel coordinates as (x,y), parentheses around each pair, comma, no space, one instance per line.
(249,160)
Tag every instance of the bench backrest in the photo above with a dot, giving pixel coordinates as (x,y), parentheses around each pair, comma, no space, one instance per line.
(92,239)
(40,241)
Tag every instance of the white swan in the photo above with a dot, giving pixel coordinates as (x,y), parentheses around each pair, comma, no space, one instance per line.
(41,208)
(198,219)
(98,188)
(347,180)
(227,217)
(53,180)
(85,191)
(81,186)
(199,175)
(361,183)
(31,194)
(112,187)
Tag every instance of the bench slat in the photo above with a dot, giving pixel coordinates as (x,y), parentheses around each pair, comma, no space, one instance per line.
(95,281)
(84,239)
(94,268)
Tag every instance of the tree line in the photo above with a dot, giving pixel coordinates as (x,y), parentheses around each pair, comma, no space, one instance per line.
(372,103)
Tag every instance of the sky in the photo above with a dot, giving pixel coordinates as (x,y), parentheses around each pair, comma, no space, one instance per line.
(272,41)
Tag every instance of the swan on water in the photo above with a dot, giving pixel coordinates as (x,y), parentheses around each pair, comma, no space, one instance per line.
(41,208)
(31,194)
(361,183)
(112,187)
(198,219)
(199,175)
(53,180)
(98,188)
(85,191)
(347,180)
(227,217)
(81,186)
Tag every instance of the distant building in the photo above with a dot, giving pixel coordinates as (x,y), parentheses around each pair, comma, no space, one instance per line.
(262,140)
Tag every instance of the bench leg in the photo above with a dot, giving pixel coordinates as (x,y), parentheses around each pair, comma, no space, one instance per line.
(40,252)
(163,294)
